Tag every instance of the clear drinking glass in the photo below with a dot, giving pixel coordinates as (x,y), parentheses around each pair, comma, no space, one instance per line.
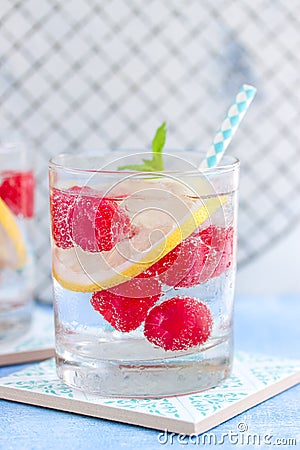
(143,271)
(16,258)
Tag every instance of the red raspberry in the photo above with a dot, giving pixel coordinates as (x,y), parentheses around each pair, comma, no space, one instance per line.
(215,237)
(178,324)
(17,191)
(98,223)
(183,266)
(199,272)
(162,265)
(93,223)
(125,306)
(61,204)
(190,267)
(203,255)
(212,258)
(175,264)
(221,253)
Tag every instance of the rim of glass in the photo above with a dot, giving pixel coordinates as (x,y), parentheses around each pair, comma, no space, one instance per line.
(8,148)
(221,168)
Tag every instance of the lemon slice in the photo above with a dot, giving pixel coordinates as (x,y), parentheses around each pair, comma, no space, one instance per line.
(13,252)
(81,271)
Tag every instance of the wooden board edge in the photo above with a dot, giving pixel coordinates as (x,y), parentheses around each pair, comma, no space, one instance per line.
(26,356)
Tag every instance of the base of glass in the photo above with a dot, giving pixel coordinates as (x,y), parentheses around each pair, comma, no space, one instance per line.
(145,379)
(15,320)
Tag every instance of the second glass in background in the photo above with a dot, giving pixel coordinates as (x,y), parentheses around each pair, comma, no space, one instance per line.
(16,221)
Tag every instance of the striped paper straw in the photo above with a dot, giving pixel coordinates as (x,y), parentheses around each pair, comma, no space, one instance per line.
(229,126)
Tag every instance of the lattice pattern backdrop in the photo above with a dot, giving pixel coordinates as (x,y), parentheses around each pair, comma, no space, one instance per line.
(95,73)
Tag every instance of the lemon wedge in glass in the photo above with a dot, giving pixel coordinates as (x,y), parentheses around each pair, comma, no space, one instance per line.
(78,270)
(13,252)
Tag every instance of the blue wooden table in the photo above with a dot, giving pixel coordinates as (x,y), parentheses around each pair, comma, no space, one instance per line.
(264,325)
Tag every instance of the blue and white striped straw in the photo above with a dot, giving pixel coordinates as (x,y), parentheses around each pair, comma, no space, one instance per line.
(229,126)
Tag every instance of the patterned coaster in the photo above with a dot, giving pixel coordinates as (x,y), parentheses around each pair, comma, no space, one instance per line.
(254,379)
(35,345)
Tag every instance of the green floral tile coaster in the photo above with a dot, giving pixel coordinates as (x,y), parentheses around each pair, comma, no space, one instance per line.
(254,379)
(35,345)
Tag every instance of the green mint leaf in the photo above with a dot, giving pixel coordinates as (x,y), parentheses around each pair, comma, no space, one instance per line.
(147,161)
(137,167)
(157,146)
(159,139)
(156,163)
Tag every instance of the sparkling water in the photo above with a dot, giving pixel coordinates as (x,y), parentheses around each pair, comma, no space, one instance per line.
(94,355)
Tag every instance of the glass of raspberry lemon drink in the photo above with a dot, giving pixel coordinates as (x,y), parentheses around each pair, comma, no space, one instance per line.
(144,260)
(16,256)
